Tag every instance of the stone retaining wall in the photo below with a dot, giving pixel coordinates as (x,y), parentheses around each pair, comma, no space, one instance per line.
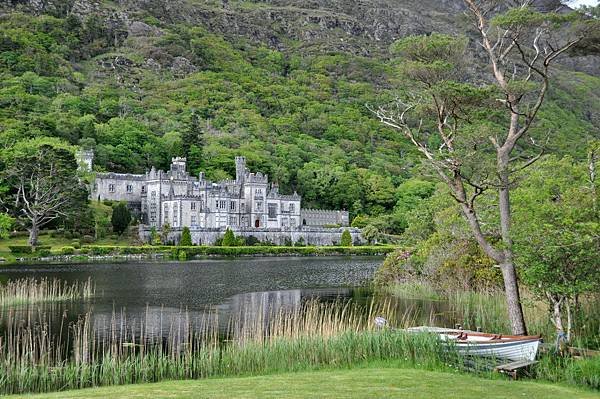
(310,235)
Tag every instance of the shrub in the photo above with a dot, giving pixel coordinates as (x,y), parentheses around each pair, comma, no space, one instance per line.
(121,217)
(182,255)
(251,241)
(76,244)
(359,221)
(346,240)
(229,239)
(43,250)
(68,235)
(20,249)
(67,250)
(57,233)
(76,234)
(154,237)
(44,253)
(300,242)
(397,266)
(186,237)
(87,239)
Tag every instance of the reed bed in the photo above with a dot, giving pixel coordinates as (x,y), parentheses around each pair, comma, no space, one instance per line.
(29,291)
(128,351)
(487,310)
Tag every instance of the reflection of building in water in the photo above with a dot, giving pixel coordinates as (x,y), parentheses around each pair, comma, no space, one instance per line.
(250,310)
(254,304)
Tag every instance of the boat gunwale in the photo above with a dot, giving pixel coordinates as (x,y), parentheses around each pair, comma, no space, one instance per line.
(495,338)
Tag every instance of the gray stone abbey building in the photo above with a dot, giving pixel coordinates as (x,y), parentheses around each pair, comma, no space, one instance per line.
(249,205)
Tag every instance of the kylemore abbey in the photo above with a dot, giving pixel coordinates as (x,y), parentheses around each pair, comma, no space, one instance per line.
(249,205)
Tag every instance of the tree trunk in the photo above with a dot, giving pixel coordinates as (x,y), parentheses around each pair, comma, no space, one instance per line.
(513,299)
(33,234)
(509,274)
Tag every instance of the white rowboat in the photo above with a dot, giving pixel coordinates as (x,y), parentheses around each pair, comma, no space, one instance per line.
(511,347)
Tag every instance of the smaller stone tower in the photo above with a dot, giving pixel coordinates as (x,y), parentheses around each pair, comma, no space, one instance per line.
(85,159)
(240,169)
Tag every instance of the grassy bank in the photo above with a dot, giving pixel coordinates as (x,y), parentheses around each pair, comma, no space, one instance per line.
(487,310)
(369,381)
(54,245)
(63,249)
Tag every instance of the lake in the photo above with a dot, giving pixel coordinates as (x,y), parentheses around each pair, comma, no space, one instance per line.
(162,293)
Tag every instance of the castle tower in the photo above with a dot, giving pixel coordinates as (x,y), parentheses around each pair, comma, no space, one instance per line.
(85,159)
(178,164)
(240,169)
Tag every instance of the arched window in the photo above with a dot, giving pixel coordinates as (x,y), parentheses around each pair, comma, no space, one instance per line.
(257,223)
(303,222)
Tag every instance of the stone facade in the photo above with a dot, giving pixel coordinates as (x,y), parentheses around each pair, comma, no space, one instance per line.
(319,217)
(249,204)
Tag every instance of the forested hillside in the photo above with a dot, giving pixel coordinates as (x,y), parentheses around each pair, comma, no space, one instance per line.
(284,83)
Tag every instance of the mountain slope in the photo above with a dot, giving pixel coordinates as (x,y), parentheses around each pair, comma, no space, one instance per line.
(283,82)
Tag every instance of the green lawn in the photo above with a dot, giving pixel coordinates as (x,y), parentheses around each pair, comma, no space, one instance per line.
(54,242)
(367,382)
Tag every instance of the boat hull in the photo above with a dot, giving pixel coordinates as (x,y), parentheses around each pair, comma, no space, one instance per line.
(510,347)
(512,350)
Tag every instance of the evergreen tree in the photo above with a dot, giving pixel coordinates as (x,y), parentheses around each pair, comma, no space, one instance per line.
(346,239)
(121,217)
(229,239)
(186,237)
(193,143)
(154,237)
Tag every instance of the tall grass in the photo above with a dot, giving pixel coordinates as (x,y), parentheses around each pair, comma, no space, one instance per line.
(488,311)
(313,335)
(30,291)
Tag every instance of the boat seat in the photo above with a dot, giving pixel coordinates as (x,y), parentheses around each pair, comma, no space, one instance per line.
(513,368)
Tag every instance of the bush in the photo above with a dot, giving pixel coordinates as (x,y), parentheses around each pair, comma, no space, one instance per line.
(67,250)
(57,233)
(121,217)
(396,267)
(68,235)
(76,234)
(20,249)
(87,239)
(251,241)
(43,252)
(300,242)
(346,239)
(182,255)
(76,244)
(186,237)
(229,239)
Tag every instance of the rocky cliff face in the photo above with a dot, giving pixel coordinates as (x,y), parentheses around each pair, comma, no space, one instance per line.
(362,27)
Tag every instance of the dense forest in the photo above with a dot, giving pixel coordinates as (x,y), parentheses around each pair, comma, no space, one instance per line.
(142,85)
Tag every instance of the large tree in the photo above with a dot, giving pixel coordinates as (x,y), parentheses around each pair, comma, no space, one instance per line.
(473,125)
(557,236)
(42,183)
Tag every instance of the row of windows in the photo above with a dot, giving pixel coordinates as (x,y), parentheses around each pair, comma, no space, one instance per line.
(128,188)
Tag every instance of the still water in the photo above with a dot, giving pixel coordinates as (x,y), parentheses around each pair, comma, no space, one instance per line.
(161,293)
